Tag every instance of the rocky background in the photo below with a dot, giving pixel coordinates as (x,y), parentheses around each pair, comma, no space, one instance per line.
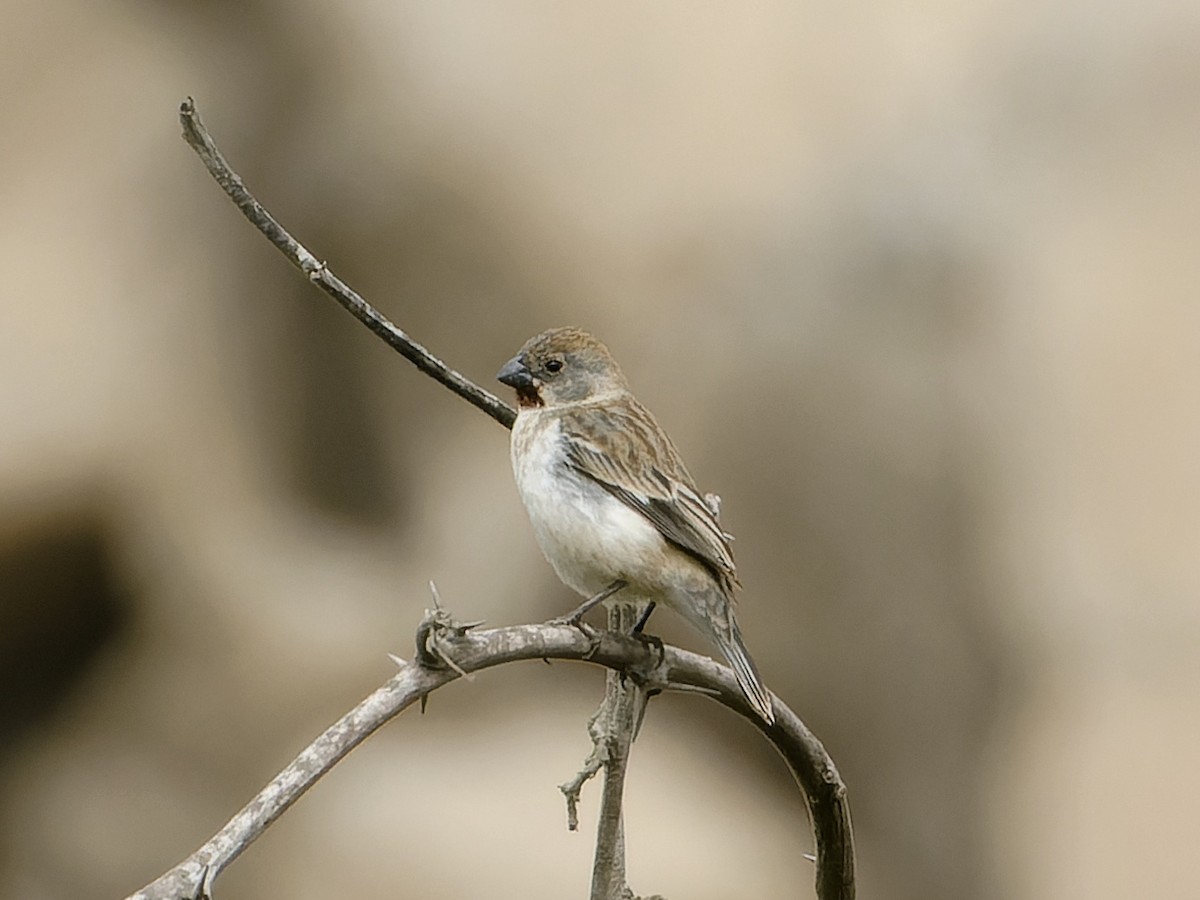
(915,288)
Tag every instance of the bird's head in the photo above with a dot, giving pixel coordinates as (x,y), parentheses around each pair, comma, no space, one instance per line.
(562,365)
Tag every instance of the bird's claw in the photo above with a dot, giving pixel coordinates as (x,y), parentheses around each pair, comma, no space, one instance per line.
(654,642)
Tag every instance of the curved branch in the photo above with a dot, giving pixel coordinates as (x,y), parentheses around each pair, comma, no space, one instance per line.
(318,273)
(473,651)
(813,769)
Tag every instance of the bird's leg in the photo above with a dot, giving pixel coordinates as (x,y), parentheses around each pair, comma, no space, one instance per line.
(655,643)
(644,617)
(574,617)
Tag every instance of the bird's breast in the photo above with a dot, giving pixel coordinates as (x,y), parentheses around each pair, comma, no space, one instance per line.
(588,535)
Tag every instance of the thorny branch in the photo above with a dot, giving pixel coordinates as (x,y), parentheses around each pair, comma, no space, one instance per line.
(448,650)
(473,651)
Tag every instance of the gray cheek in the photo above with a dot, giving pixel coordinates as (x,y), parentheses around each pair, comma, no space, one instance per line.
(572,389)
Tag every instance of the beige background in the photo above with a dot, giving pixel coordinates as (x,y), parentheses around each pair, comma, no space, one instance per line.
(915,288)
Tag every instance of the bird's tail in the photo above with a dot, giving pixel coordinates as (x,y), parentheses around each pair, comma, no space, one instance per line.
(734,648)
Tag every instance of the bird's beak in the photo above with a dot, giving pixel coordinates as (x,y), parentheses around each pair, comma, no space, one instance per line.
(516,375)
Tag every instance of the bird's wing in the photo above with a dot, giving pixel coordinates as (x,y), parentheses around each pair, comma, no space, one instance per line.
(620,446)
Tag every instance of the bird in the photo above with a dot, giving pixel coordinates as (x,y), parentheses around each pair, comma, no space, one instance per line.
(613,508)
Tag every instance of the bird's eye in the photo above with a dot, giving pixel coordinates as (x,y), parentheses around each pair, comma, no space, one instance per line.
(554,365)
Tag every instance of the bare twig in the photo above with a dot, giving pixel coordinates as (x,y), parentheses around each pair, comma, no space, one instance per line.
(617,719)
(612,729)
(318,273)
(573,788)
(474,651)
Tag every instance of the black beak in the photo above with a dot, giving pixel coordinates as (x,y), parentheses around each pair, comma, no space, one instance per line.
(516,375)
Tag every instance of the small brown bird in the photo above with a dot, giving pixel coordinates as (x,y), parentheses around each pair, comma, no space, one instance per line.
(612,505)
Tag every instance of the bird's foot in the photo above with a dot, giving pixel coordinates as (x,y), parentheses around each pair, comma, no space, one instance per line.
(655,644)
(644,618)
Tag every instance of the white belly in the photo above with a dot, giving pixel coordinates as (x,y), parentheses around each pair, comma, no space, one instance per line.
(589,536)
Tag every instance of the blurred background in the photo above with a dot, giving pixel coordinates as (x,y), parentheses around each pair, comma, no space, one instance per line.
(914,287)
